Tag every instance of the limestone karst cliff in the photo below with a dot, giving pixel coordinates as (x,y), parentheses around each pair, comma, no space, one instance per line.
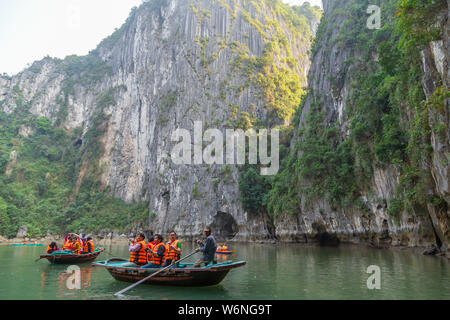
(229,64)
(365,152)
(371,144)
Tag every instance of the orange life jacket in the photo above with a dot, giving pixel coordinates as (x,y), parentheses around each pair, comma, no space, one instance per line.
(154,258)
(86,247)
(150,246)
(68,245)
(139,257)
(76,247)
(82,246)
(50,249)
(171,254)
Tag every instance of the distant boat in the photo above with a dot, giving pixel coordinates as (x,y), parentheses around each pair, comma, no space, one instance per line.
(61,257)
(184,275)
(224,252)
(27,244)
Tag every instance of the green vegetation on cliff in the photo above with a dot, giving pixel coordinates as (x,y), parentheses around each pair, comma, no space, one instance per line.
(277,72)
(385,92)
(37,184)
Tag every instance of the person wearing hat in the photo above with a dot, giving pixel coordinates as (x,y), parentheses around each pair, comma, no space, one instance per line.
(209,247)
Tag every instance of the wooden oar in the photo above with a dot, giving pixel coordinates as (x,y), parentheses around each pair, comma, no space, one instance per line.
(120,293)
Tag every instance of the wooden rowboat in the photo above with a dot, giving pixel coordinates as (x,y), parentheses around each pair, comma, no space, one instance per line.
(61,257)
(184,275)
(224,252)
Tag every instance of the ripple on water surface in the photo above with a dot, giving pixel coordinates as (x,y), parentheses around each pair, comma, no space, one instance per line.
(271,272)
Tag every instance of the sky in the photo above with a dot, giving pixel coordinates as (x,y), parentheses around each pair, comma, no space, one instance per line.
(33,29)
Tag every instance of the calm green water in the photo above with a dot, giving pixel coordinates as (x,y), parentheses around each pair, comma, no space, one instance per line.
(272,272)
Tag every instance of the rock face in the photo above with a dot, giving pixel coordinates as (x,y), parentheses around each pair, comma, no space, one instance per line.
(172,63)
(415,227)
(175,62)
(22,233)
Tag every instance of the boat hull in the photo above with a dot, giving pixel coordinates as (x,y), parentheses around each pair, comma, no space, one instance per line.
(184,277)
(71,258)
(224,252)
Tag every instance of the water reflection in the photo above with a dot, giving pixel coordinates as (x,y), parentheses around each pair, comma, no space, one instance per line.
(271,272)
(57,274)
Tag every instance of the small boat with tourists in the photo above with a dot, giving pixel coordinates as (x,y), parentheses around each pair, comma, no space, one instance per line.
(224,252)
(183,275)
(62,257)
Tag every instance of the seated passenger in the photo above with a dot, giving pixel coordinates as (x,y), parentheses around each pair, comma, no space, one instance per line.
(83,242)
(149,248)
(68,244)
(76,245)
(52,247)
(157,254)
(89,247)
(137,251)
(173,249)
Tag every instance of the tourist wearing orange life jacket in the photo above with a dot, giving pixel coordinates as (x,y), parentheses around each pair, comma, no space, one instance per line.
(149,248)
(157,254)
(65,245)
(52,247)
(89,246)
(173,249)
(83,242)
(76,245)
(68,244)
(138,255)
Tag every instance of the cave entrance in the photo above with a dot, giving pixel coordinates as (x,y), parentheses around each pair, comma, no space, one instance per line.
(224,226)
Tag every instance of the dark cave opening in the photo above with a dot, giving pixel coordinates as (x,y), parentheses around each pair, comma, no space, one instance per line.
(224,226)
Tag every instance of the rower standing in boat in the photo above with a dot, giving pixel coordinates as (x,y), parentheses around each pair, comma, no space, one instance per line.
(209,247)
(173,249)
